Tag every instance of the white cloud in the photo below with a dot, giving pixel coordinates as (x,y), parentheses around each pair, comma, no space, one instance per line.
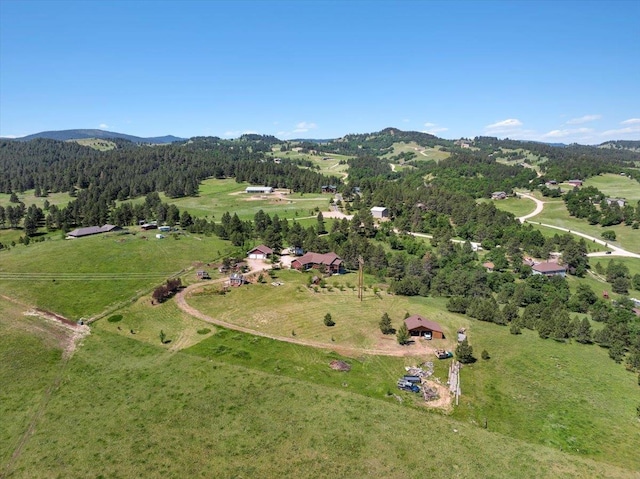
(629,130)
(434,131)
(566,133)
(505,126)
(231,133)
(631,121)
(304,126)
(103,126)
(583,119)
(433,128)
(405,120)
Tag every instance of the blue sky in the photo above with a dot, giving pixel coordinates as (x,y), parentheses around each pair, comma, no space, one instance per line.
(555,71)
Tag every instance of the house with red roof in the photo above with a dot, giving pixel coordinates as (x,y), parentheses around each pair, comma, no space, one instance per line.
(420,326)
(549,269)
(260,252)
(330,262)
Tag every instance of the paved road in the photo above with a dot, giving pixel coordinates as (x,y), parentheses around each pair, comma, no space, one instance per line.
(537,211)
(614,250)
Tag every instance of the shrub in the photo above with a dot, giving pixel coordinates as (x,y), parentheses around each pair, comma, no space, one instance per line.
(485,354)
(609,235)
(328,321)
(204,331)
(115,318)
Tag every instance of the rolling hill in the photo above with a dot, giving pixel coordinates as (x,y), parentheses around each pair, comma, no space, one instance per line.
(64,135)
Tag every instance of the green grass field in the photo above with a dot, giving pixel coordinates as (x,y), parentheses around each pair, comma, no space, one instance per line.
(518,206)
(80,278)
(616,186)
(435,154)
(555,213)
(218,196)
(294,307)
(328,163)
(96,143)
(246,407)
(60,199)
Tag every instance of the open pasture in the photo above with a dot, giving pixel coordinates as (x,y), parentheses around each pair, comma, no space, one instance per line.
(186,415)
(555,213)
(219,196)
(81,277)
(28,198)
(517,205)
(293,309)
(616,186)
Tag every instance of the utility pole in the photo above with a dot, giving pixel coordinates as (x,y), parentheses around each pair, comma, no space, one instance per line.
(360,277)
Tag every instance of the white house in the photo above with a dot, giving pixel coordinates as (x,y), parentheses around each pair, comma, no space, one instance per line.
(379,212)
(259,189)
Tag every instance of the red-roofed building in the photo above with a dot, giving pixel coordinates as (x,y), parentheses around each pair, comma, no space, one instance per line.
(489,266)
(549,269)
(260,252)
(419,326)
(330,261)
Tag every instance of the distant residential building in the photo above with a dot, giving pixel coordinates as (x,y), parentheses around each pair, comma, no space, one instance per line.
(620,201)
(165,229)
(379,212)
(149,226)
(329,188)
(237,279)
(576,183)
(260,252)
(489,266)
(549,269)
(258,189)
(92,230)
(277,161)
(498,195)
(551,183)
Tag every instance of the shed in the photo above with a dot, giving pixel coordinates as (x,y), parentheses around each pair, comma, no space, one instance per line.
(259,189)
(260,252)
(165,229)
(236,279)
(379,212)
(418,326)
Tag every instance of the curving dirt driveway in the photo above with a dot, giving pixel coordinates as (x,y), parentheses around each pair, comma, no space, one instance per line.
(181,301)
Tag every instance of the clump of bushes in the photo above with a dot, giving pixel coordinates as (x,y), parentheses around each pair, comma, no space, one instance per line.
(115,318)
(204,331)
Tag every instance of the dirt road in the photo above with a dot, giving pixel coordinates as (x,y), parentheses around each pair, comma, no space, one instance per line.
(181,301)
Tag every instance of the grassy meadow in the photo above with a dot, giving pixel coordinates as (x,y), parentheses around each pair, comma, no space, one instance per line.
(516,205)
(616,186)
(82,277)
(218,196)
(235,405)
(555,213)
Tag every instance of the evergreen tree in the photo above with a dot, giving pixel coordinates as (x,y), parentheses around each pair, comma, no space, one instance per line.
(385,324)
(464,352)
(583,333)
(403,335)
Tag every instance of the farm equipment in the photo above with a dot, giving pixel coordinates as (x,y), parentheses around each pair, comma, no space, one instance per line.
(442,354)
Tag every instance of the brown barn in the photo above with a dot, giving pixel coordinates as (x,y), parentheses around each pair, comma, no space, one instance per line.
(418,326)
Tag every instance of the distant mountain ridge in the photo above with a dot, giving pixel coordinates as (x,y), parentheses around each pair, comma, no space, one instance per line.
(78,134)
